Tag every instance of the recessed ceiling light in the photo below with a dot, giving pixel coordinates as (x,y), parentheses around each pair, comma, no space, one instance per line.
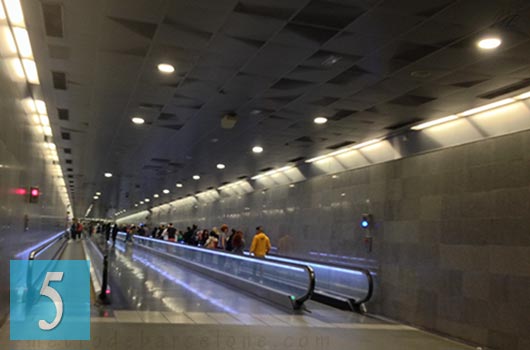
(179,185)
(98,193)
(141,202)
(95,197)
(166,68)
(166,191)
(14,10)
(147,200)
(320,120)
(135,204)
(108,174)
(156,195)
(489,43)
(422,74)
(138,120)
(196,177)
(257,149)
(23,43)
(221,166)
(291,185)
(331,60)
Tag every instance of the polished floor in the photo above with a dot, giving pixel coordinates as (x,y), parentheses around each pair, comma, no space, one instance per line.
(159,305)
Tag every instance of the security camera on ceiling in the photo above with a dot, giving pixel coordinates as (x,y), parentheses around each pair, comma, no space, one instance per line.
(228,121)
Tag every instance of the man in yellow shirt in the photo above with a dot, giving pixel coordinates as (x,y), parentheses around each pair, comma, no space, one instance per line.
(260,246)
(261,243)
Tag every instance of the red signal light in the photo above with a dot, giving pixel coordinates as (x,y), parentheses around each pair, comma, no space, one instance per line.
(34,194)
(21,191)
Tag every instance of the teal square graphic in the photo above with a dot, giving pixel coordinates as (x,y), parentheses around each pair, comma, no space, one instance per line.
(50,300)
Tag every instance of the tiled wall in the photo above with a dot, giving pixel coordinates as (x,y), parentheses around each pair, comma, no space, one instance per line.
(21,166)
(452,237)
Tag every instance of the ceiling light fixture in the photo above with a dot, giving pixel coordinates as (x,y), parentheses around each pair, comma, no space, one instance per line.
(272,172)
(135,204)
(16,64)
(523,96)
(367,143)
(257,149)
(23,43)
(220,166)
(489,43)
(108,174)
(473,111)
(166,191)
(14,12)
(196,177)
(331,60)
(31,71)
(95,197)
(434,122)
(344,150)
(179,185)
(147,200)
(98,193)
(41,107)
(141,202)
(320,120)
(166,68)
(138,120)
(44,120)
(486,107)
(156,195)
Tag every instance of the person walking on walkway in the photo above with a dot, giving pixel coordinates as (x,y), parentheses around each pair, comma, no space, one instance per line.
(260,246)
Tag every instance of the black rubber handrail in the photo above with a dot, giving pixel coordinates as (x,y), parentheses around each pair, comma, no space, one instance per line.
(363,270)
(45,245)
(297,303)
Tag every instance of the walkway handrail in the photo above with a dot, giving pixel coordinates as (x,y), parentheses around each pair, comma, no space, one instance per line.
(46,244)
(366,272)
(297,303)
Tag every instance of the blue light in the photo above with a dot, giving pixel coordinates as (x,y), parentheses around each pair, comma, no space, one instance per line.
(364,224)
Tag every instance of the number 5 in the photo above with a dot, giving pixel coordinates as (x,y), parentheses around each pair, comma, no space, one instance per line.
(51,293)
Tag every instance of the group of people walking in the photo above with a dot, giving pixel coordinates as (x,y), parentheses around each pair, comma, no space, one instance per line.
(223,238)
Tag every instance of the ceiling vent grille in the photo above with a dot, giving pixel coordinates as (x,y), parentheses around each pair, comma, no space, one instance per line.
(63,114)
(172,127)
(506,89)
(295,160)
(341,114)
(59,80)
(403,124)
(304,139)
(412,100)
(53,19)
(340,145)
